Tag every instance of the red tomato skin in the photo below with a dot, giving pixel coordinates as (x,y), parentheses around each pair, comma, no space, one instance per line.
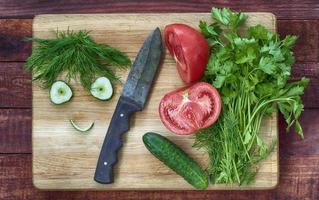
(186,110)
(190,50)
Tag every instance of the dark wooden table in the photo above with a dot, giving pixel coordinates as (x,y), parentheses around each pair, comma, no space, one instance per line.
(299,160)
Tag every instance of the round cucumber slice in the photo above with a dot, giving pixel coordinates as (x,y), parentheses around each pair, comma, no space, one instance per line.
(60,92)
(76,127)
(102,88)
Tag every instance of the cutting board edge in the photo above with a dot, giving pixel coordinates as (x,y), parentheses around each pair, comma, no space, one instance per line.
(42,187)
(139,13)
(41,16)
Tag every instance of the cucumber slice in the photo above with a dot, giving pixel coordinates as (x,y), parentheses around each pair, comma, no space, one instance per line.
(102,88)
(76,127)
(60,92)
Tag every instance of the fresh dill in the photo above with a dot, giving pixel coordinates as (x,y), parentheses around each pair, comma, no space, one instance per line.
(76,54)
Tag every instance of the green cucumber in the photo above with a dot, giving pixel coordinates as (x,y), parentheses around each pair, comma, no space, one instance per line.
(60,92)
(175,158)
(102,88)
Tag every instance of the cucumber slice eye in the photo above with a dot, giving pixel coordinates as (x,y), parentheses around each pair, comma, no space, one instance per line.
(60,92)
(102,88)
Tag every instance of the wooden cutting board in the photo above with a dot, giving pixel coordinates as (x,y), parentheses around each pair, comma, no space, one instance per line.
(65,159)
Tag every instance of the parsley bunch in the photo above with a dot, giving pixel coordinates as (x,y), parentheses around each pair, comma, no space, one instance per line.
(251,71)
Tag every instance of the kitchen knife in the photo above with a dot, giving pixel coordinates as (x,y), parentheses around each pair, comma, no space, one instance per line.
(132,99)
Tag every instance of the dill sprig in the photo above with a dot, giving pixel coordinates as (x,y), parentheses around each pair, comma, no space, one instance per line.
(75,53)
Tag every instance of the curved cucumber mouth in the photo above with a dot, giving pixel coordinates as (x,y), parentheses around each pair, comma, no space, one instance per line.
(102,88)
(85,129)
(60,92)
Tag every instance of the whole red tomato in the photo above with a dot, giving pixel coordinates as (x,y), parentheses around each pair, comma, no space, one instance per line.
(188,109)
(190,50)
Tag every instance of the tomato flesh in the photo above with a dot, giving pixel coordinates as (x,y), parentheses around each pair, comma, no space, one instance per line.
(189,49)
(188,109)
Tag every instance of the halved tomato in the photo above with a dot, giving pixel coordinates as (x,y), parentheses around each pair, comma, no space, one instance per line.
(188,109)
(190,50)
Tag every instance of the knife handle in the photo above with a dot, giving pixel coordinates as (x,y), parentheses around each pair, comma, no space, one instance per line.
(113,140)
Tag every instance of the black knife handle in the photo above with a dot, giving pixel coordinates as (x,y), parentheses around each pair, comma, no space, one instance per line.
(113,140)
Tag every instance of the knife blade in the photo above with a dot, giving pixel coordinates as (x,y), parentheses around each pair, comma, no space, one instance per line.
(132,99)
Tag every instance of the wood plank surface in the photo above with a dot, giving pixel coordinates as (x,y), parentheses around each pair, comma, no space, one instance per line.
(15,130)
(307,46)
(14,30)
(12,33)
(16,91)
(311,71)
(15,86)
(306,51)
(299,159)
(63,159)
(294,9)
(299,180)
(292,145)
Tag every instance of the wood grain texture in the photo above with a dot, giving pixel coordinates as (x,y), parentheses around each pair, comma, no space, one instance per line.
(311,71)
(292,144)
(299,180)
(16,125)
(306,49)
(300,177)
(15,177)
(63,159)
(16,92)
(307,45)
(294,9)
(12,33)
(14,81)
(15,130)
(295,181)
(15,86)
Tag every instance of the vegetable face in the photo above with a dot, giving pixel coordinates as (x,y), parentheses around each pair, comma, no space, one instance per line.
(190,51)
(186,110)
